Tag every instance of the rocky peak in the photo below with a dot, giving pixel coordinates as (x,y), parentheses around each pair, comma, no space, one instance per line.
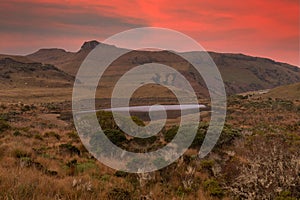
(89,45)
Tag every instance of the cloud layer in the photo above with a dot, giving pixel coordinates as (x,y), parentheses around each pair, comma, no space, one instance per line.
(261,28)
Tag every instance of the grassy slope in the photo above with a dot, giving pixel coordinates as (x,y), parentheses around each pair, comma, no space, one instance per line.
(291,92)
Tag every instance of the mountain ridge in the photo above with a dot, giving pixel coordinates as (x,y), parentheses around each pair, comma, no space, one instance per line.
(240,73)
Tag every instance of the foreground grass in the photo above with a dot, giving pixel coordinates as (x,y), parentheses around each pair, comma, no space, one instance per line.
(41,157)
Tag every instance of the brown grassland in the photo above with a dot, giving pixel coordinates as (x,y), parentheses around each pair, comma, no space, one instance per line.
(257,155)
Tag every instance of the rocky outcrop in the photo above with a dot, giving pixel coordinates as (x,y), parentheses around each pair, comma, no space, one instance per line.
(90,45)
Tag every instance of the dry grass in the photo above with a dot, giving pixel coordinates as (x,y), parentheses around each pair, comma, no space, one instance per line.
(35,95)
(34,163)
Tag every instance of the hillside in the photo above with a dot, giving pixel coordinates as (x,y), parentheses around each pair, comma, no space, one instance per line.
(245,73)
(291,92)
(241,73)
(56,68)
(25,81)
(18,74)
(64,60)
(23,59)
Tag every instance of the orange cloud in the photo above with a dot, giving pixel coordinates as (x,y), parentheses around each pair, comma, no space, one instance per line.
(261,28)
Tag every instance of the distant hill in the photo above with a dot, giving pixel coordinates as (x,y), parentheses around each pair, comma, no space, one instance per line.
(289,92)
(57,68)
(16,74)
(23,59)
(64,60)
(241,73)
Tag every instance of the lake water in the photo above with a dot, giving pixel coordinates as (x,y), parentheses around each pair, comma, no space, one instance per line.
(157,108)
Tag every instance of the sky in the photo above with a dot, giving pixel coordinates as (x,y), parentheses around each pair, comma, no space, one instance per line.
(263,28)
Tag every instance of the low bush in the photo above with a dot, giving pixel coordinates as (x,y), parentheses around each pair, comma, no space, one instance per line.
(170,134)
(4,125)
(285,195)
(17,133)
(213,188)
(145,141)
(70,148)
(52,134)
(38,137)
(120,173)
(115,136)
(119,194)
(106,120)
(207,164)
(105,178)
(85,166)
(73,135)
(19,153)
(228,135)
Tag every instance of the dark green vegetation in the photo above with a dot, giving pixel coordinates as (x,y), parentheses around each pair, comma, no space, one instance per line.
(213,188)
(227,136)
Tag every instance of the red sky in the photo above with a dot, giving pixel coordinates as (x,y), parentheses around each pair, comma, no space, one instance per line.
(265,28)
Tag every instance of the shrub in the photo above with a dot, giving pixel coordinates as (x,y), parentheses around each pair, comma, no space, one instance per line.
(120,173)
(207,164)
(170,134)
(85,166)
(200,135)
(24,129)
(70,148)
(106,120)
(285,195)
(213,188)
(26,161)
(38,137)
(25,108)
(73,135)
(228,135)
(19,153)
(105,177)
(145,141)
(4,116)
(119,194)
(51,106)
(72,165)
(52,134)
(138,121)
(180,191)
(3,125)
(115,136)
(17,133)
(100,146)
